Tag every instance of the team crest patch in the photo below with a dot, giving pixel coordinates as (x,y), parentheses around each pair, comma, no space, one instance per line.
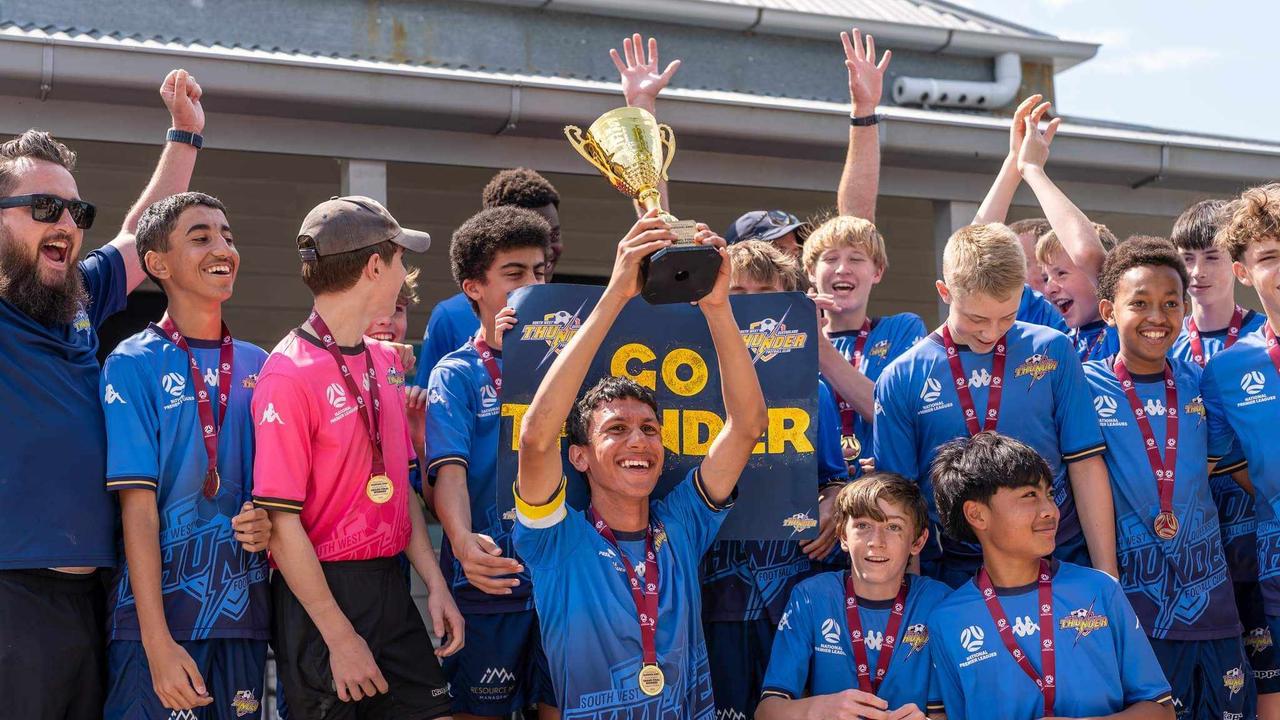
(249,382)
(509,515)
(555,329)
(1036,366)
(1233,680)
(244,703)
(799,522)
(880,350)
(916,637)
(1195,407)
(395,378)
(81,321)
(769,338)
(1083,621)
(659,537)
(1257,640)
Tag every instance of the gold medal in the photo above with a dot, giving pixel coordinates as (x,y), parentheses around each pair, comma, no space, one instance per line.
(651,680)
(379,488)
(212,483)
(851,445)
(1166,526)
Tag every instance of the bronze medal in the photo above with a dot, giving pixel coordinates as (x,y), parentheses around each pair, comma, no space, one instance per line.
(852,446)
(379,488)
(212,483)
(651,680)
(1166,526)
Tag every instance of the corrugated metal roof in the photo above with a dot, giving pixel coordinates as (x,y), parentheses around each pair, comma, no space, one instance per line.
(925,13)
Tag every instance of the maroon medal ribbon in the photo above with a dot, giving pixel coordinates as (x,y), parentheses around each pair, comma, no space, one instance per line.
(1273,348)
(1233,334)
(868,683)
(846,409)
(1166,523)
(645,594)
(168,329)
(369,412)
(962,385)
(490,362)
(1047,681)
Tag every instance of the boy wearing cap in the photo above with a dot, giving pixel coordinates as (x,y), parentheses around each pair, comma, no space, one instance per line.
(776,226)
(332,469)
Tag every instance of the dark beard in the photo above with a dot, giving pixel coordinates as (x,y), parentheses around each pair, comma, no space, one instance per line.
(21,286)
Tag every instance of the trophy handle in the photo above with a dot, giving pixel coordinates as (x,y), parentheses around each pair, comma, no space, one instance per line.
(589,150)
(668,139)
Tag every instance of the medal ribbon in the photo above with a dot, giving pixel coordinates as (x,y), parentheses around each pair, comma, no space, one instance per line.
(866,682)
(644,594)
(1046,683)
(962,385)
(168,329)
(1163,468)
(369,412)
(490,362)
(846,410)
(1273,348)
(1233,334)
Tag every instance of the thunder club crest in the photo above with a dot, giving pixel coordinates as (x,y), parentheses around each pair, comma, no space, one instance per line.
(799,522)
(1083,621)
(555,329)
(1036,366)
(916,637)
(769,338)
(880,350)
(1257,640)
(244,703)
(1195,407)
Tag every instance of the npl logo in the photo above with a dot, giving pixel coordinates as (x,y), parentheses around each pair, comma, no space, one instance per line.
(1253,382)
(971,638)
(932,390)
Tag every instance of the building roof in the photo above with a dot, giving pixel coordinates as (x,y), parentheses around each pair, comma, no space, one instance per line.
(925,13)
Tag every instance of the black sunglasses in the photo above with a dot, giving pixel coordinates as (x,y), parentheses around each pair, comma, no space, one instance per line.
(48,208)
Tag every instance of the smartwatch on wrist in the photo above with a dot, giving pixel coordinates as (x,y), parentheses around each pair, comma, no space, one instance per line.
(187,138)
(869,120)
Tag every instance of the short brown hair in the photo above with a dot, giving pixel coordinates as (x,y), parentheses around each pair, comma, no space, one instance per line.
(861,498)
(409,291)
(1031,226)
(335,273)
(34,144)
(1049,245)
(1253,217)
(845,231)
(984,259)
(763,262)
(1196,227)
(159,220)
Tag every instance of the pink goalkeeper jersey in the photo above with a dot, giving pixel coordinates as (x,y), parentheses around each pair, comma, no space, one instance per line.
(314,454)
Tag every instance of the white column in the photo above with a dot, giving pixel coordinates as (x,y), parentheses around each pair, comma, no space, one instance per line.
(365,177)
(948,216)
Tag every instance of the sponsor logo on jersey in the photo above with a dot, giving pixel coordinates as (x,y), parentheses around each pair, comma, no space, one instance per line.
(799,522)
(497,675)
(729,713)
(916,637)
(878,408)
(496,685)
(244,703)
(971,639)
(830,631)
(211,377)
(111,397)
(174,384)
(769,338)
(435,397)
(980,378)
(488,401)
(1106,407)
(336,396)
(880,349)
(785,622)
(932,390)
(555,329)
(1257,640)
(1233,680)
(395,378)
(1254,385)
(874,640)
(1084,621)
(1036,367)
(269,415)
(1024,626)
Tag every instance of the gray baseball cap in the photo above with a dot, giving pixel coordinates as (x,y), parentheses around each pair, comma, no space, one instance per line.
(344,224)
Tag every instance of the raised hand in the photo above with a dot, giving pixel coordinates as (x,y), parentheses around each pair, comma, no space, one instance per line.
(641,80)
(181,94)
(502,322)
(1034,152)
(719,294)
(649,235)
(866,76)
(1018,126)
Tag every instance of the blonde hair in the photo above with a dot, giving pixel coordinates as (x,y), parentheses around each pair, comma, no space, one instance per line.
(1049,246)
(845,231)
(763,262)
(985,259)
(1255,216)
(861,499)
(409,291)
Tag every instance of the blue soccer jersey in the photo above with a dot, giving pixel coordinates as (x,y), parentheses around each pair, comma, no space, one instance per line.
(890,336)
(750,579)
(212,588)
(1045,404)
(1095,340)
(1214,341)
(1035,309)
(1180,588)
(590,630)
(462,422)
(1103,660)
(1241,391)
(812,654)
(56,513)
(451,324)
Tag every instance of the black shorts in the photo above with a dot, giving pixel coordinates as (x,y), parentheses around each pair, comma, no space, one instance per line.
(374,596)
(52,647)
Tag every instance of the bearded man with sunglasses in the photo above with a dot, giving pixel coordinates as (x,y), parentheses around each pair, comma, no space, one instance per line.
(56,520)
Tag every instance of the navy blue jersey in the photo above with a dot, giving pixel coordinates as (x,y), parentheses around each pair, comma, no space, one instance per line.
(1104,661)
(1035,309)
(590,631)
(1046,404)
(1241,392)
(1180,588)
(890,336)
(1095,340)
(56,512)
(812,655)
(451,324)
(462,423)
(212,588)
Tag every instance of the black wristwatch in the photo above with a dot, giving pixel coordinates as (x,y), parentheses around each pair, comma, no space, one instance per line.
(182,136)
(868,121)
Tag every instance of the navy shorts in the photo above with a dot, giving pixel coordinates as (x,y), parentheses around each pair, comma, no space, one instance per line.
(1258,645)
(232,669)
(1210,678)
(739,655)
(502,667)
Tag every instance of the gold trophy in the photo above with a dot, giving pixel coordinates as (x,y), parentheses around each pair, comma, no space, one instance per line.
(626,145)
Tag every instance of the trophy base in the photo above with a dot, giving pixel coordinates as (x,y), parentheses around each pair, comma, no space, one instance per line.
(680,273)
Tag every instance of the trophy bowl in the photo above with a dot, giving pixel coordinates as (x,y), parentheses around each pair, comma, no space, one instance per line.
(632,150)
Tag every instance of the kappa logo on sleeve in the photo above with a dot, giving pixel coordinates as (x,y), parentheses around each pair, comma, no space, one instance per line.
(269,415)
(111,397)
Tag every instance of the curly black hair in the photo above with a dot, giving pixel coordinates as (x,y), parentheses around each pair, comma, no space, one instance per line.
(479,240)
(975,468)
(1196,227)
(1137,251)
(606,390)
(521,187)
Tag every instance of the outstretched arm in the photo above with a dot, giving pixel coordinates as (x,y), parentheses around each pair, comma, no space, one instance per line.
(540,469)
(641,84)
(995,206)
(181,94)
(860,180)
(1078,236)
(745,415)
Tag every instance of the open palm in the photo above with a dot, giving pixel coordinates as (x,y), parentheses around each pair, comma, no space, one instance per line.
(641,80)
(866,76)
